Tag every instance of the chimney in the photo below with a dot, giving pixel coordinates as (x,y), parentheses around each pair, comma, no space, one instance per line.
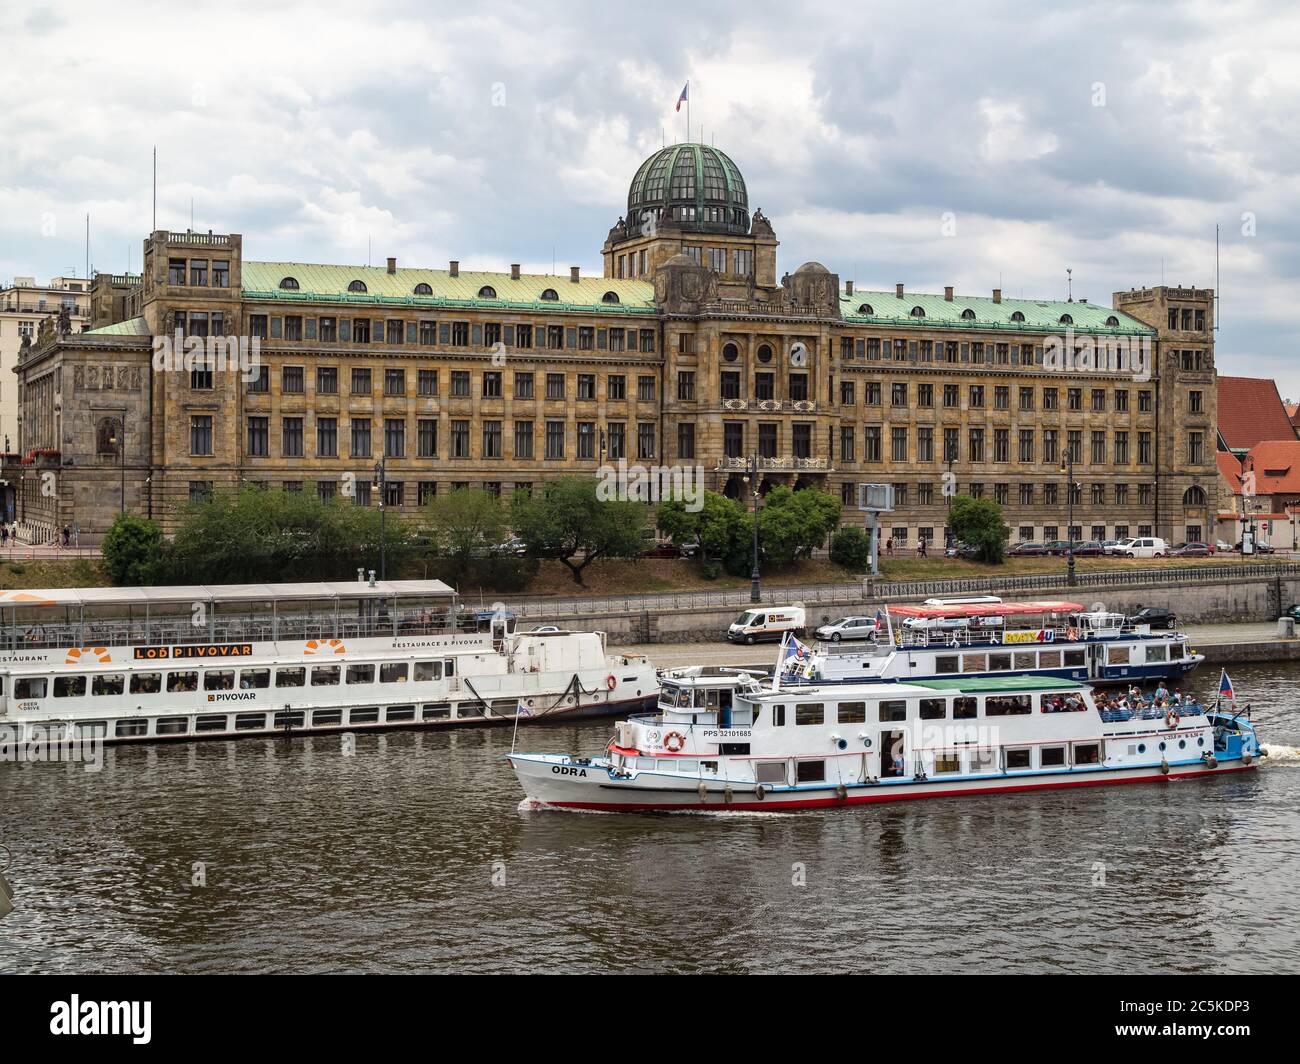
(392,265)
(454,269)
(514,271)
(997,295)
(947,293)
(848,288)
(573,274)
(898,290)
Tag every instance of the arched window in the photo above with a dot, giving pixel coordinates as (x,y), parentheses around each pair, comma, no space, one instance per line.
(918,312)
(487,292)
(1194,496)
(357,286)
(968,314)
(1066,319)
(609,297)
(765,353)
(289,284)
(730,352)
(1017,316)
(423,289)
(550,294)
(106,441)
(1113,322)
(865,308)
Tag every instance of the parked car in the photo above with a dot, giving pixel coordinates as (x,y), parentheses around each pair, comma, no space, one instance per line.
(661,550)
(1224,548)
(1088,548)
(1027,549)
(1055,546)
(689,550)
(1292,611)
(964,551)
(1117,547)
(1155,616)
(1146,547)
(1260,548)
(1191,550)
(513,545)
(543,629)
(847,628)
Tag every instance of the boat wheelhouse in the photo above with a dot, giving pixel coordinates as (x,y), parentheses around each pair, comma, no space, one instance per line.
(1041,638)
(778,749)
(141,664)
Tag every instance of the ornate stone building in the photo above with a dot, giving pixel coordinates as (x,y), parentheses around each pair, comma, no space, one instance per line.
(688,351)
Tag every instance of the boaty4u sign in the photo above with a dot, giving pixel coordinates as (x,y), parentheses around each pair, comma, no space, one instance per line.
(133,1018)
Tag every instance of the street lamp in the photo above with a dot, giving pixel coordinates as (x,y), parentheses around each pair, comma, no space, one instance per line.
(1067,467)
(381,483)
(755,595)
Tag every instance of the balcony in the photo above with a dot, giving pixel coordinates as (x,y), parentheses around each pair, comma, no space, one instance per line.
(777,464)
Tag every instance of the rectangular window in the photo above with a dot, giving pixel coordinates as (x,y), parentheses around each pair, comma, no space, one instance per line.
(460,439)
(258,437)
(426,431)
(291,437)
(361,381)
(809,713)
(523,386)
(523,439)
(201,434)
(327,380)
(361,437)
(555,439)
(492,439)
(555,386)
(460,384)
(395,437)
(394,382)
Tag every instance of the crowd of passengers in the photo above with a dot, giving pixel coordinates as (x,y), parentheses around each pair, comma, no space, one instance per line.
(1133,704)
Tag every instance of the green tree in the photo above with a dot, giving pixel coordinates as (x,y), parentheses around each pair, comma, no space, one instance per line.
(720,527)
(851,548)
(567,520)
(464,525)
(979,524)
(792,524)
(132,549)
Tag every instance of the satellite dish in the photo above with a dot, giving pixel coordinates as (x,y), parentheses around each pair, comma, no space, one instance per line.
(798,354)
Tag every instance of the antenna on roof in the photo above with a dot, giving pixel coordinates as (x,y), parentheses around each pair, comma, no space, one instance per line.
(155,188)
(1216,278)
(1069,284)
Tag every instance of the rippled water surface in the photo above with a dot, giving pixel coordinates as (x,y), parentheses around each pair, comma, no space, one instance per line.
(413,855)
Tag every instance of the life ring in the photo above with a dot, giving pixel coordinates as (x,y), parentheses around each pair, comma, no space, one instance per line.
(75,654)
(674,741)
(611,681)
(324,646)
(1172,718)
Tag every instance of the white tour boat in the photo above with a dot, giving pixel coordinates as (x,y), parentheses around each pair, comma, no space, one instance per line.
(1049,639)
(724,741)
(154,663)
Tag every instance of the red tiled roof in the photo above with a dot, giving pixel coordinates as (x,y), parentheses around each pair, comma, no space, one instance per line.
(1230,470)
(1250,410)
(1276,464)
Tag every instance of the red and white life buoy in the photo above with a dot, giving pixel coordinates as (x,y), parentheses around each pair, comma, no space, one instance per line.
(611,681)
(674,741)
(1172,719)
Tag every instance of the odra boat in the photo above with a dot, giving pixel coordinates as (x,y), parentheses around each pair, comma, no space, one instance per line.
(142,664)
(723,742)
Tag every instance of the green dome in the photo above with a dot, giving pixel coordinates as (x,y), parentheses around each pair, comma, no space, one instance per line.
(693,186)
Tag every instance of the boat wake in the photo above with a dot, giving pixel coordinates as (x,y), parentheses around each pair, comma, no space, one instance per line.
(1279,754)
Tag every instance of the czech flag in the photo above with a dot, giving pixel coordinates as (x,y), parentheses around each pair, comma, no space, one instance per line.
(682,98)
(1225,686)
(880,619)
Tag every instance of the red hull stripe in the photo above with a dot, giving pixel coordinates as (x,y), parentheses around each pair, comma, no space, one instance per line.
(779,805)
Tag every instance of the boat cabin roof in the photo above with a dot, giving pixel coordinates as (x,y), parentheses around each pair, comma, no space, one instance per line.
(1000,609)
(884,689)
(215,593)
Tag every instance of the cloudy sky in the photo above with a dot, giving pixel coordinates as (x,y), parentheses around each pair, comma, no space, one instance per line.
(1106,138)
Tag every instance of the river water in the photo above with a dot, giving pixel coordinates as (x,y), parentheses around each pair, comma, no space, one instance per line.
(412,855)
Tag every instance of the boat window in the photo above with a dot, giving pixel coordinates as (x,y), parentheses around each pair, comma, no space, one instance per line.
(1117,655)
(809,713)
(132,726)
(254,679)
(945,663)
(69,686)
(778,716)
(91,729)
(182,681)
(1000,662)
(171,725)
(112,684)
(683,698)
(369,715)
(393,672)
(146,683)
(428,670)
(325,676)
(210,722)
(852,713)
(688,764)
(1018,758)
(1026,659)
(357,674)
(292,719)
(1075,657)
(1087,753)
(810,771)
(449,667)
(709,766)
(1049,659)
(327,716)
(1157,652)
(219,680)
(1052,756)
(982,760)
(1063,703)
(49,733)
(934,709)
(974,662)
(397,714)
(965,707)
(250,721)
(436,711)
(293,677)
(895,709)
(947,761)
(1007,705)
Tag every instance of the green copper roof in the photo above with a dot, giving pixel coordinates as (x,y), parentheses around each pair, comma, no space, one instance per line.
(885,308)
(696,176)
(131,327)
(262,280)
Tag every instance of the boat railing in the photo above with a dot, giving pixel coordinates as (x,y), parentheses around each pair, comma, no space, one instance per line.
(981,635)
(1151,712)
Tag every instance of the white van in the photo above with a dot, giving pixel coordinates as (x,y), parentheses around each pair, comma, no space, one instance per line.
(766,622)
(1145,547)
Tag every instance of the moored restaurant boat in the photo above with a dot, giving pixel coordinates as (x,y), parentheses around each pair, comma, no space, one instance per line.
(144,664)
(724,741)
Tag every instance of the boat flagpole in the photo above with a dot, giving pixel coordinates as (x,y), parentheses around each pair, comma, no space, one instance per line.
(780,662)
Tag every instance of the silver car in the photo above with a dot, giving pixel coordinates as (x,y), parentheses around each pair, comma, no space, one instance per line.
(848,628)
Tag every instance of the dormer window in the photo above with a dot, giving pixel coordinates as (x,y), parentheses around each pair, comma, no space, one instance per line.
(289,284)
(1113,322)
(918,312)
(609,297)
(1065,319)
(1017,316)
(423,289)
(487,292)
(968,314)
(865,308)
(550,295)
(357,286)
